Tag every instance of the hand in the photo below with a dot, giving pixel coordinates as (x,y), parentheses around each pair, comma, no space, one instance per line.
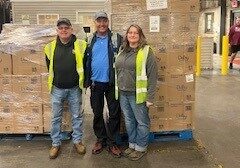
(148,104)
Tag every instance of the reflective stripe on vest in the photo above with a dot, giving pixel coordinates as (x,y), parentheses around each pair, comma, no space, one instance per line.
(79,48)
(141,76)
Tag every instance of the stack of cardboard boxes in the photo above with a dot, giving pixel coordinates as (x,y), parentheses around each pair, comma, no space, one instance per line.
(24,99)
(171,28)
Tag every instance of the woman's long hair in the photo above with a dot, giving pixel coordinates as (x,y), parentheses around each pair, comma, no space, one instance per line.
(142,39)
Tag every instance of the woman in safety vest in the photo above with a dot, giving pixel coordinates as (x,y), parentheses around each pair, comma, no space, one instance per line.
(136,79)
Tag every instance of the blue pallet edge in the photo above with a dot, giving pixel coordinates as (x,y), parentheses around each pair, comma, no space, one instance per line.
(162,136)
(171,136)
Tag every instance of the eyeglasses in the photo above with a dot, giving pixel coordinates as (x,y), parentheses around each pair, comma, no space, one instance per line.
(64,28)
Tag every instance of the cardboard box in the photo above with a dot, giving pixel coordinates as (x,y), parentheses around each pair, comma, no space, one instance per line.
(170,125)
(46,96)
(160,125)
(180,58)
(5,64)
(161,93)
(183,5)
(6,118)
(143,19)
(136,6)
(128,6)
(7,97)
(6,109)
(6,128)
(44,82)
(5,83)
(179,61)
(169,116)
(176,92)
(28,118)
(158,112)
(175,89)
(32,129)
(180,125)
(27,88)
(28,62)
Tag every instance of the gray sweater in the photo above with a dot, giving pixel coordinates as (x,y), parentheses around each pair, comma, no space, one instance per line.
(126,72)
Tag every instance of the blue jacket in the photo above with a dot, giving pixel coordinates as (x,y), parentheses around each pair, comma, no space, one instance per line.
(113,48)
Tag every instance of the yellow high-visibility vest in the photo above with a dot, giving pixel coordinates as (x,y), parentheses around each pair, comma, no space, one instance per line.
(79,49)
(141,76)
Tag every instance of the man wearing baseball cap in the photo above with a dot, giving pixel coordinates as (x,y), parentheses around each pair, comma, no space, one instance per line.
(63,21)
(100,76)
(64,58)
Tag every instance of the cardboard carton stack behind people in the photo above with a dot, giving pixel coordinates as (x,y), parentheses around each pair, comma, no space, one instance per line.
(25,105)
(171,28)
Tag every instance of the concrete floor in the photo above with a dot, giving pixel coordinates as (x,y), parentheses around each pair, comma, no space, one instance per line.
(217,117)
(216,137)
(34,154)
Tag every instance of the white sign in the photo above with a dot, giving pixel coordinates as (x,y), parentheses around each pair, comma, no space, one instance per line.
(154,23)
(156,4)
(189,78)
(25,19)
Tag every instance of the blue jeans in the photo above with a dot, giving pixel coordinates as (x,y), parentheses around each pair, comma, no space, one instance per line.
(74,98)
(136,120)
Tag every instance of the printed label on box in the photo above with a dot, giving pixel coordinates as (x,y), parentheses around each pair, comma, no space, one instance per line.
(189,78)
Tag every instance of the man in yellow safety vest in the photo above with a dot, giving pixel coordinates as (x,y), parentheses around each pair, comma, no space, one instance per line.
(64,57)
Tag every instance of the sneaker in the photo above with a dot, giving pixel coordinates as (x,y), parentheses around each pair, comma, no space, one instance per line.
(115,151)
(97,148)
(81,149)
(136,155)
(230,66)
(54,151)
(128,151)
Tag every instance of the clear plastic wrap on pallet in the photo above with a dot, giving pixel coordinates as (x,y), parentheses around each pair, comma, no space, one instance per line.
(29,62)
(28,117)
(6,117)
(46,99)
(5,63)
(20,104)
(27,88)
(21,94)
(25,37)
(19,115)
(25,44)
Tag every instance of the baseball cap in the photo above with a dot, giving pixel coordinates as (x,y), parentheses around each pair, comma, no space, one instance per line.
(64,21)
(101,14)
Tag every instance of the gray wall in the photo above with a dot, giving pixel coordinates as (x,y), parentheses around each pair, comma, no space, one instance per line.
(64,9)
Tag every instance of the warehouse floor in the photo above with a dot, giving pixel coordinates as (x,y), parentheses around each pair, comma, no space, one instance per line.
(216,137)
